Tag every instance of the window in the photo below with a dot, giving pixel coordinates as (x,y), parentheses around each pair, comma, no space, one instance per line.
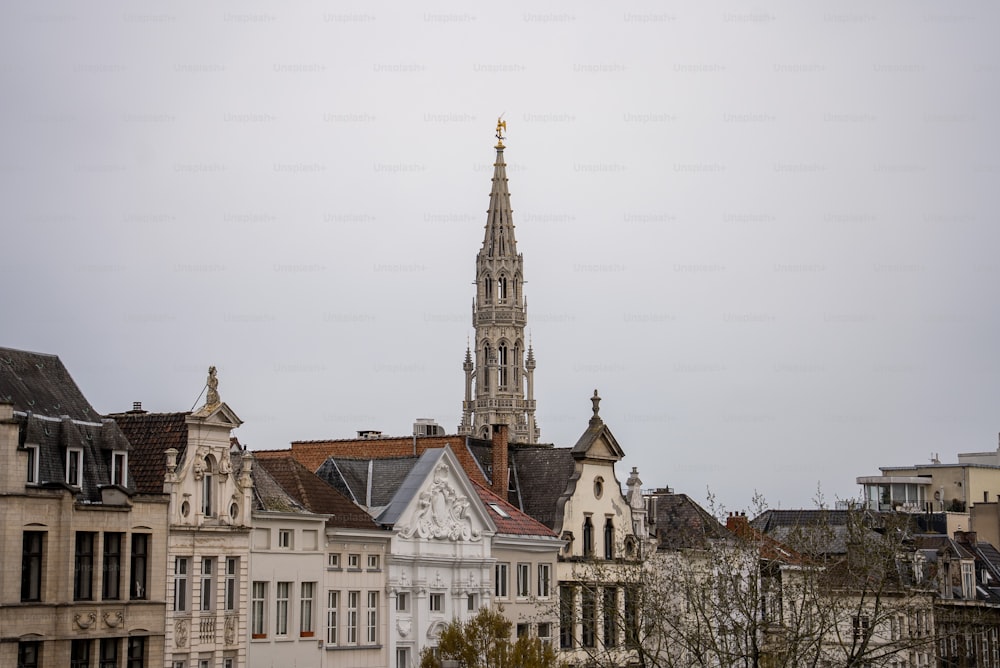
(31,565)
(544,580)
(354,561)
(502,362)
(32,464)
(29,654)
(333,560)
(472,602)
(136,652)
(207,583)
(402,602)
(372,617)
(139,561)
(861,624)
(588,610)
(112,566)
(232,575)
(258,609)
(181,566)
(353,602)
(306,609)
(74,467)
(588,537)
(968,580)
(500,589)
(610,616)
(281,609)
(632,616)
(523,580)
(566,616)
(119,468)
(522,630)
(79,653)
(545,632)
(402,657)
(109,653)
(332,605)
(436,602)
(285,538)
(228,662)
(83,568)
(207,488)
(609,539)
(373,562)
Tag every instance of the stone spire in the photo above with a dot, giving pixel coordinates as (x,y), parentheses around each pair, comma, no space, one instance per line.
(499,376)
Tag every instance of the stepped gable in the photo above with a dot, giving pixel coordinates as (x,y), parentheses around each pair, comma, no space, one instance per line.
(314,494)
(151,435)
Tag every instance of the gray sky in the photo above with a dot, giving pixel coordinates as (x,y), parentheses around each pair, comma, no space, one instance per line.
(766,232)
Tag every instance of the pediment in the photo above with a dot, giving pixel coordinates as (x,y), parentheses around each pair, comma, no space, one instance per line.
(219,414)
(437,502)
(598,443)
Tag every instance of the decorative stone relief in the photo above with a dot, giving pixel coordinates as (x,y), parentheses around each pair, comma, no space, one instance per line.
(404,627)
(230,631)
(114,618)
(85,619)
(442,512)
(404,579)
(181,633)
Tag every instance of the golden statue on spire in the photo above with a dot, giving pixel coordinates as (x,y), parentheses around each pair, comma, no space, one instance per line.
(501,129)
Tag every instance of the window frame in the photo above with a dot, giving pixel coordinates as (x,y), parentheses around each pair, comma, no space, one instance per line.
(307,596)
(231,596)
(207,593)
(353,606)
(501,587)
(119,476)
(182,584)
(32,566)
(282,599)
(372,617)
(258,609)
(83,565)
(74,467)
(139,565)
(435,602)
(111,566)
(523,580)
(544,580)
(33,459)
(332,617)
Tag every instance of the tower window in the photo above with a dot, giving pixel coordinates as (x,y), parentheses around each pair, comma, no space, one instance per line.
(502,364)
(502,289)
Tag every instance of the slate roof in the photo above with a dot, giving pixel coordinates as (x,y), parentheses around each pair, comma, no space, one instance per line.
(151,435)
(368,482)
(679,522)
(54,415)
(313,493)
(419,470)
(542,475)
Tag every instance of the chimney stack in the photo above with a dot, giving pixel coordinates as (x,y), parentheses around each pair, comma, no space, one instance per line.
(499,451)
(738,524)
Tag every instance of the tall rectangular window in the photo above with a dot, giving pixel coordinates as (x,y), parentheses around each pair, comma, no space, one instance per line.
(524,580)
(31,565)
(119,468)
(208,490)
(207,583)
(610,617)
(109,653)
(29,654)
(353,602)
(258,609)
(232,575)
(306,609)
(79,653)
(402,657)
(284,538)
(281,595)
(436,602)
(544,580)
(74,467)
(567,616)
(632,616)
(137,652)
(372,617)
(32,464)
(609,539)
(588,612)
(139,565)
(83,567)
(332,610)
(181,567)
(111,568)
(500,589)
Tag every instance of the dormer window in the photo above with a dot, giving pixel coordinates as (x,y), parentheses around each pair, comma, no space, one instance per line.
(32,476)
(74,467)
(119,468)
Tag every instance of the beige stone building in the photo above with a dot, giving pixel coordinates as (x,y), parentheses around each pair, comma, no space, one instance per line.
(82,566)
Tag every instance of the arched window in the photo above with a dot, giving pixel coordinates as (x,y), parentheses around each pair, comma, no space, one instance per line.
(488,282)
(609,539)
(588,537)
(502,364)
(207,488)
(517,365)
(485,366)
(502,290)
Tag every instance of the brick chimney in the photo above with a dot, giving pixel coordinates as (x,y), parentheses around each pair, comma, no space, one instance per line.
(738,524)
(499,451)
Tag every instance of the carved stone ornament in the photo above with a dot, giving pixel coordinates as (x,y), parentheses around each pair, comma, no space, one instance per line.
(85,619)
(230,631)
(404,579)
(181,633)
(114,618)
(404,627)
(442,512)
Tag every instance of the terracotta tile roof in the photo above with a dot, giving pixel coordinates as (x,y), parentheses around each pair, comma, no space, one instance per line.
(310,491)
(151,435)
(517,523)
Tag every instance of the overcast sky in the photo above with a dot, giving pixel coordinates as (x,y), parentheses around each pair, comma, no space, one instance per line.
(767,233)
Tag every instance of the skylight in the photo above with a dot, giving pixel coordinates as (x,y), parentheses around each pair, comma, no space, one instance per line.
(499,511)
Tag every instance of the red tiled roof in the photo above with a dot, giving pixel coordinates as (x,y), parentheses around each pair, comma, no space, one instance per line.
(151,435)
(312,454)
(518,524)
(312,492)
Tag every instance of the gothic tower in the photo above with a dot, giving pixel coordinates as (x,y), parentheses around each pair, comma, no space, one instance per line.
(499,385)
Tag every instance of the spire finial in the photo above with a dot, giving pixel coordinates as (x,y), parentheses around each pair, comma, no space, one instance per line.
(501,129)
(596,400)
